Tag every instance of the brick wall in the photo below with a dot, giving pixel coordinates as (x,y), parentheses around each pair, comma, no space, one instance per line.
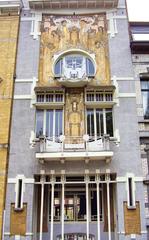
(8,43)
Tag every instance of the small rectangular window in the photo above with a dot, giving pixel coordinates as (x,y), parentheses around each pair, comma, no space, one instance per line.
(40,97)
(109,122)
(49,97)
(109,97)
(19,194)
(58,97)
(99,97)
(145,97)
(130,192)
(90,97)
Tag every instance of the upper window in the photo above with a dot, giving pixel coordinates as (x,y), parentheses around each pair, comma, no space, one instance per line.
(49,122)
(145,96)
(99,122)
(74,66)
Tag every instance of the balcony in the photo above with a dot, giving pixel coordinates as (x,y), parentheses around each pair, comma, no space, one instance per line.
(139,37)
(74,148)
(73,82)
(72,4)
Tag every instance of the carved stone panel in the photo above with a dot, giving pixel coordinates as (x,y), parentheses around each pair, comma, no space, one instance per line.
(74,113)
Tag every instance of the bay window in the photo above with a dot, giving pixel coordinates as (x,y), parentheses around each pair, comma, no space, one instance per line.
(99,122)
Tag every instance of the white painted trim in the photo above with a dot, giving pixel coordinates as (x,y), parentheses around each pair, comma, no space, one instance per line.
(26,180)
(120,17)
(74,155)
(87,210)
(121,7)
(10,6)
(26,234)
(117,136)
(131,175)
(126,95)
(116,92)
(11,180)
(19,177)
(32,139)
(121,179)
(123,232)
(122,78)
(77,11)
(98,210)
(108,208)
(52,209)
(29,180)
(138,179)
(24,80)
(3,225)
(33,95)
(37,17)
(41,210)
(25,19)
(62,213)
(124,179)
(112,26)
(22,97)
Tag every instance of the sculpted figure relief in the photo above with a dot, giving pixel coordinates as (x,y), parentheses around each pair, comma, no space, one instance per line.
(81,32)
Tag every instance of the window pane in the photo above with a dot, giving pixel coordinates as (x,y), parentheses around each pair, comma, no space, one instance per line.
(109,122)
(58,122)
(145,85)
(89,67)
(145,96)
(58,68)
(99,122)
(49,123)
(90,122)
(39,122)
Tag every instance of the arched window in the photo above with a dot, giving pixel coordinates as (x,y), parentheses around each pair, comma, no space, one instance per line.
(74,66)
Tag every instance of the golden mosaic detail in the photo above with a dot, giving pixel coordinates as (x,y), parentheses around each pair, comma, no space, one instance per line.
(61,33)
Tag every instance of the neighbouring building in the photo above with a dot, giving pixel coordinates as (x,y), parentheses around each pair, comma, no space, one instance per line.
(9,22)
(140,57)
(75,170)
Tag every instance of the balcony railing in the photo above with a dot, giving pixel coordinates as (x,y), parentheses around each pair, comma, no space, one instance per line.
(74,144)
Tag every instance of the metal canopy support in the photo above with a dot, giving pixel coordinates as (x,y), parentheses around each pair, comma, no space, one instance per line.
(52,209)
(98,207)
(42,180)
(108,205)
(62,217)
(87,206)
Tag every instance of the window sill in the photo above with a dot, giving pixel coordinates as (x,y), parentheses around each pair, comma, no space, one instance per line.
(131,207)
(18,209)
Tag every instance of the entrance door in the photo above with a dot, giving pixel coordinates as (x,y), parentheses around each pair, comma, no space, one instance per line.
(75,206)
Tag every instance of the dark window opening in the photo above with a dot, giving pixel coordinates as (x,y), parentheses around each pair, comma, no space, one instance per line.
(130,192)
(145,97)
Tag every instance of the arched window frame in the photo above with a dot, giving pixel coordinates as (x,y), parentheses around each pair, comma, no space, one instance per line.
(90,58)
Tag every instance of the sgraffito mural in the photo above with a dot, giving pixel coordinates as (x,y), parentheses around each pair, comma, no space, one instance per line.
(61,33)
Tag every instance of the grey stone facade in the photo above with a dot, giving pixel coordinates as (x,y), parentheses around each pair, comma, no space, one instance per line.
(125,145)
